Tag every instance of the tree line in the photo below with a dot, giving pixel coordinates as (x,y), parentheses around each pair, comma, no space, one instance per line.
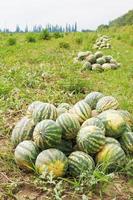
(39,28)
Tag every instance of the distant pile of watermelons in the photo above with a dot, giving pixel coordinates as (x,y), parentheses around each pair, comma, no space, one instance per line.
(102,42)
(96,61)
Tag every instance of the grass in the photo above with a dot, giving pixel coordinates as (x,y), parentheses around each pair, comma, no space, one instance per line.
(43,71)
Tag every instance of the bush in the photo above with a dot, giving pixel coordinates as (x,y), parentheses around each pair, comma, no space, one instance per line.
(79,40)
(58,35)
(64,45)
(30,38)
(45,35)
(11,41)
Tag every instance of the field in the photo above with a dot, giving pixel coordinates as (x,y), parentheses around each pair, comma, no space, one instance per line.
(44,70)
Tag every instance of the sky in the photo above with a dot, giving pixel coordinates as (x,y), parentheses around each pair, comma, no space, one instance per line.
(87,13)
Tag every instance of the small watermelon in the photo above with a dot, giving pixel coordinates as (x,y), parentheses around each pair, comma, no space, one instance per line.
(113,122)
(81,110)
(94,122)
(69,125)
(78,162)
(90,139)
(106,103)
(111,156)
(126,141)
(92,98)
(47,134)
(51,160)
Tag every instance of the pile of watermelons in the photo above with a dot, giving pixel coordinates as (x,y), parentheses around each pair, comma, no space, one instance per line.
(96,61)
(102,42)
(70,139)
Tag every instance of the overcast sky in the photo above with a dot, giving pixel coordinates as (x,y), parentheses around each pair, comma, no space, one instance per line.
(87,13)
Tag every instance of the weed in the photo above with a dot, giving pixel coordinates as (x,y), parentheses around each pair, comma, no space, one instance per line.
(30,38)
(64,45)
(11,41)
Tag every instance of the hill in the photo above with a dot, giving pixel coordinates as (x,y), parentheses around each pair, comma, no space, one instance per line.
(126,19)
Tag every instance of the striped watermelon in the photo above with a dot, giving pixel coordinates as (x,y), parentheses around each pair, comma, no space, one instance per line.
(100,61)
(78,162)
(69,125)
(93,98)
(26,153)
(32,107)
(106,66)
(91,58)
(111,156)
(90,139)
(81,110)
(97,67)
(98,54)
(41,111)
(22,131)
(94,122)
(110,140)
(126,141)
(47,134)
(83,55)
(113,122)
(51,161)
(62,108)
(127,117)
(106,103)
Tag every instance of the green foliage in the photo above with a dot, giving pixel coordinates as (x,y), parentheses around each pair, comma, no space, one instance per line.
(45,35)
(64,45)
(30,38)
(11,41)
(79,40)
(126,19)
(102,27)
(58,35)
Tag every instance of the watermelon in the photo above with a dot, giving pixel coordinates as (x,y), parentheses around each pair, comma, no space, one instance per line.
(113,122)
(126,141)
(86,66)
(98,54)
(110,140)
(25,154)
(113,66)
(78,162)
(106,103)
(106,66)
(97,67)
(108,58)
(94,122)
(83,55)
(81,110)
(47,134)
(100,61)
(111,156)
(66,106)
(23,130)
(69,125)
(62,108)
(51,161)
(90,139)
(41,111)
(91,58)
(32,107)
(127,117)
(92,98)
